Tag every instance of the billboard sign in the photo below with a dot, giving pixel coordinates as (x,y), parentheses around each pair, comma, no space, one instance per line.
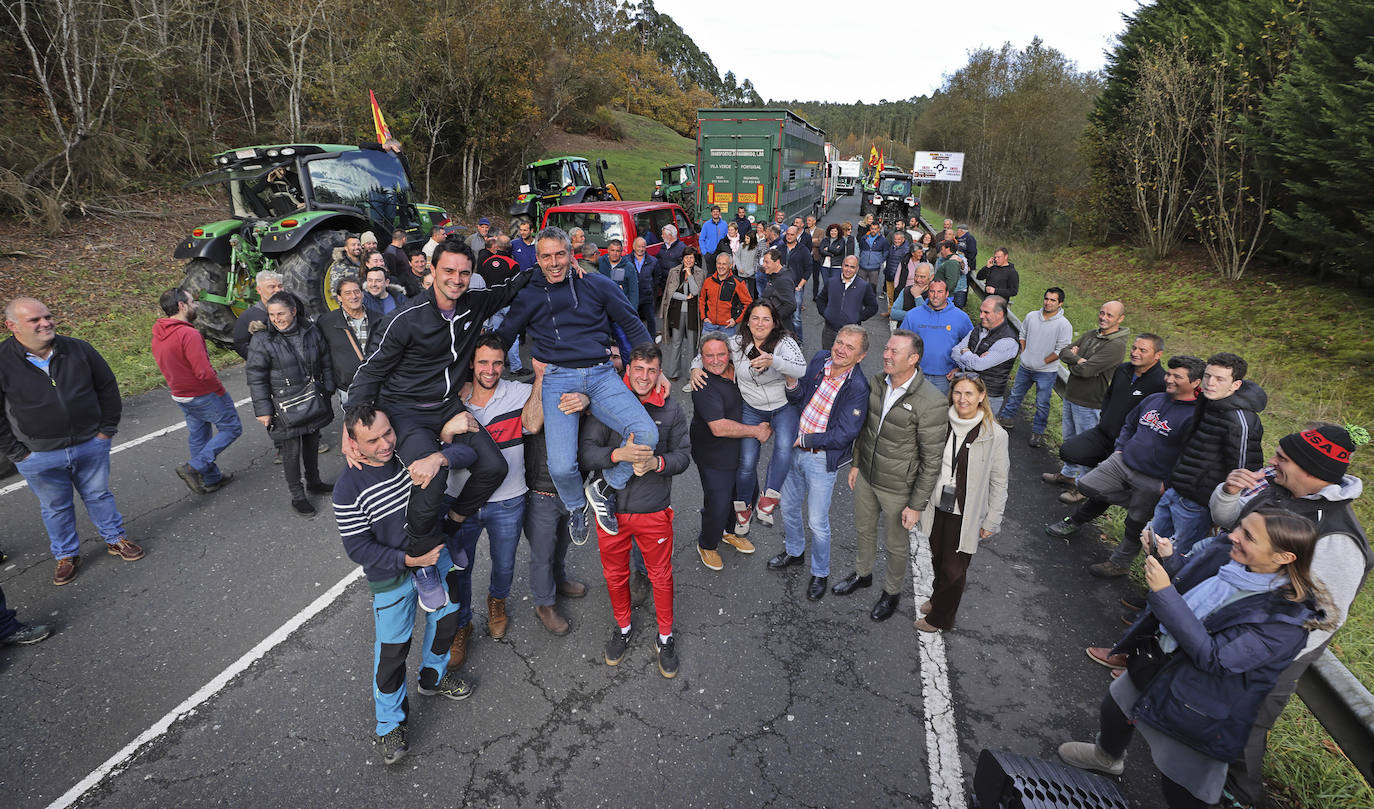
(945,166)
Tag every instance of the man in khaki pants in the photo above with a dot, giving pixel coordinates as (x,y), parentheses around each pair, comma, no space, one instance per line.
(896,462)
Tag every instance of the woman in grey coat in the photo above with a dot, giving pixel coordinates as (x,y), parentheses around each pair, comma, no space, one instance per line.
(679,313)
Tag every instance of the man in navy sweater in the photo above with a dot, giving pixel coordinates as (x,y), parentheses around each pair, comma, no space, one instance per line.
(568,320)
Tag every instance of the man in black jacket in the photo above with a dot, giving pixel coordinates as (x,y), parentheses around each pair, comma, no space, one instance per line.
(268,283)
(61,408)
(347,331)
(847,300)
(778,286)
(646,514)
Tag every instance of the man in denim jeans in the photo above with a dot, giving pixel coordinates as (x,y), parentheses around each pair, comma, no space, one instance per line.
(1043,335)
(568,320)
(62,407)
(212,423)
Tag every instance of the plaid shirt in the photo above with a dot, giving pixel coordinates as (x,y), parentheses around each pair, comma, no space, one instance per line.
(817,413)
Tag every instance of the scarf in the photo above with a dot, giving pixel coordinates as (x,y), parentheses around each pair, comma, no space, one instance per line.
(1232,583)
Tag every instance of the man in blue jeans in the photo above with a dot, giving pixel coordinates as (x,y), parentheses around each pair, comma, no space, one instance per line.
(62,407)
(1044,334)
(212,423)
(568,320)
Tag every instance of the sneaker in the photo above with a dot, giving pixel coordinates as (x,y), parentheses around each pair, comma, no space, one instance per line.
(601,502)
(768,503)
(28,633)
(1108,570)
(124,549)
(65,570)
(192,478)
(324,447)
(738,543)
(276,457)
(450,685)
(430,588)
(1037,440)
(577,526)
(617,645)
(743,514)
(393,744)
(224,480)
(710,558)
(1088,756)
(303,507)
(1007,424)
(667,657)
(1063,529)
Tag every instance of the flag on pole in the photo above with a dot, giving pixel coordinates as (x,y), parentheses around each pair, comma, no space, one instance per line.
(880,163)
(378,122)
(873,155)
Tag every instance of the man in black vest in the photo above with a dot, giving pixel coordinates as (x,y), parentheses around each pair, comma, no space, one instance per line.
(990,349)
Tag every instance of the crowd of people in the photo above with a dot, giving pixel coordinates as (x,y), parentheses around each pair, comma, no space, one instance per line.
(447,435)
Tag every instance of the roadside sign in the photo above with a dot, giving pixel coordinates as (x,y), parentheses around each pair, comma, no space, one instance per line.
(946,166)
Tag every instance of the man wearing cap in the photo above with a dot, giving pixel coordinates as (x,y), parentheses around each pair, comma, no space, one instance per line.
(478,240)
(1307,475)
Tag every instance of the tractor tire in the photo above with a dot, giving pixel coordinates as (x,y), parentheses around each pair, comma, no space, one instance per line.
(305,271)
(215,320)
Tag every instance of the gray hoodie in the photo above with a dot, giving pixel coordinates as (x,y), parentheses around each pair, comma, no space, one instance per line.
(1042,338)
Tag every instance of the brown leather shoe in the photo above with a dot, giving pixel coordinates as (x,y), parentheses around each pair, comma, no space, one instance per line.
(66,570)
(458,650)
(572,588)
(926,608)
(924,625)
(496,617)
(551,620)
(1103,656)
(125,550)
(1072,496)
(1057,479)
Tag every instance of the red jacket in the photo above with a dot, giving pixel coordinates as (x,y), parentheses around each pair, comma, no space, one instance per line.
(181,356)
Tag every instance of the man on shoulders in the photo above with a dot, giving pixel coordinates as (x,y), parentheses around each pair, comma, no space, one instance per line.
(941,326)
(990,349)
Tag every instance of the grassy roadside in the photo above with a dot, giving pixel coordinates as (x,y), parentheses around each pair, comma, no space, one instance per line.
(634,161)
(1311,347)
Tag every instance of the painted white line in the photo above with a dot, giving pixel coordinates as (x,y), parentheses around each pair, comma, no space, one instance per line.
(14,487)
(116,762)
(942,737)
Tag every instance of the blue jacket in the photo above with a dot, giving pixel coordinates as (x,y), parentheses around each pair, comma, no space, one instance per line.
(847,415)
(896,257)
(711,232)
(873,251)
(630,286)
(940,331)
(1154,433)
(841,306)
(1208,695)
(647,273)
(569,323)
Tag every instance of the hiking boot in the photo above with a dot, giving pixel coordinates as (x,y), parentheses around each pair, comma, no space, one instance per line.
(1037,440)
(319,486)
(1063,529)
(450,685)
(393,744)
(303,507)
(1057,479)
(1072,496)
(1007,424)
(640,588)
(667,657)
(124,549)
(601,502)
(738,543)
(577,526)
(743,514)
(496,617)
(617,645)
(768,503)
(552,621)
(710,558)
(458,650)
(1088,756)
(571,588)
(192,478)
(1108,570)
(224,480)
(429,587)
(66,570)
(26,634)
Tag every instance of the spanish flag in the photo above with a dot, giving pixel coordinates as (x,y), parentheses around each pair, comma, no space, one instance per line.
(873,156)
(880,163)
(378,122)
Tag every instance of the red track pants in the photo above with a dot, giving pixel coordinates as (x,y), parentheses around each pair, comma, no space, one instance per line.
(654,533)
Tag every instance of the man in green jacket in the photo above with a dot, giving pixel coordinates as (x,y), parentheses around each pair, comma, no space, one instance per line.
(896,462)
(1092,359)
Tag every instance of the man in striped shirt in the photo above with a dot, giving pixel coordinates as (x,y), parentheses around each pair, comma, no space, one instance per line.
(370,509)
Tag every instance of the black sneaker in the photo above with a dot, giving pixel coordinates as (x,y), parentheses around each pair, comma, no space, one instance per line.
(319,487)
(302,506)
(577,526)
(1063,529)
(616,646)
(451,686)
(601,502)
(26,634)
(393,744)
(667,657)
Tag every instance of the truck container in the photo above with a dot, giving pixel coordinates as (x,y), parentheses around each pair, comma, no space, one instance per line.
(762,160)
(847,174)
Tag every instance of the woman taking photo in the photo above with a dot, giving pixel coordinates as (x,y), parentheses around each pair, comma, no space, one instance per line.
(291,381)
(679,313)
(1205,653)
(764,355)
(970,494)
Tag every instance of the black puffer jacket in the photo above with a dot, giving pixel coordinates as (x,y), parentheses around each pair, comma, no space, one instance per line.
(1224,435)
(274,364)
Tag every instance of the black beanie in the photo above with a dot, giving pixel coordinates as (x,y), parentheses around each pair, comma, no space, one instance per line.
(1323,453)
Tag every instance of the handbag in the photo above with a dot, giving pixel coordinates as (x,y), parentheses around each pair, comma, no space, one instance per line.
(1145,662)
(301,403)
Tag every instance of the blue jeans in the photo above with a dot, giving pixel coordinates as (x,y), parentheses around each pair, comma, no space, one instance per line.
(809,485)
(797,316)
(1044,387)
(503,520)
(613,404)
(207,415)
(53,474)
(1075,419)
(784,421)
(707,329)
(393,616)
(1181,519)
(939,381)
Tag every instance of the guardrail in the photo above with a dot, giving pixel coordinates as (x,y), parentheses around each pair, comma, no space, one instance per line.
(1341,703)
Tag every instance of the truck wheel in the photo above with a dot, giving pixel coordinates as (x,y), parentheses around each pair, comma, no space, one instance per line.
(305,270)
(215,320)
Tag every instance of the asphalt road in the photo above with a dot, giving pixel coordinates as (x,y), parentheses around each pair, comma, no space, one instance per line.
(780,702)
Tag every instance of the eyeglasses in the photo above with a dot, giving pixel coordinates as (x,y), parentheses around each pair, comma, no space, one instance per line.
(969,375)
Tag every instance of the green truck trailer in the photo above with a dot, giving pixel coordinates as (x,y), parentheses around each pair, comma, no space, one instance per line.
(763,160)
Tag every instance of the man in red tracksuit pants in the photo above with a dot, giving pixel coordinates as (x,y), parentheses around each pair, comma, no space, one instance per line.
(644,512)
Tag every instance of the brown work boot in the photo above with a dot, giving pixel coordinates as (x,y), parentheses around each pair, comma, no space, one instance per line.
(125,550)
(496,617)
(572,588)
(551,620)
(66,570)
(458,650)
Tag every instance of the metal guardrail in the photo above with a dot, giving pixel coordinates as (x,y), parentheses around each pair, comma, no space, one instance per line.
(1341,703)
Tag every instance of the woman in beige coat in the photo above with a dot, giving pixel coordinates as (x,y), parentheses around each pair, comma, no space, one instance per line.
(970,494)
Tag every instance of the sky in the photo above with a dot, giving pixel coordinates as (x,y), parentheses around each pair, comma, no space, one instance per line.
(821,50)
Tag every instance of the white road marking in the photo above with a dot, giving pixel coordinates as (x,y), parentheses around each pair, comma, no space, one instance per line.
(942,737)
(16,486)
(116,762)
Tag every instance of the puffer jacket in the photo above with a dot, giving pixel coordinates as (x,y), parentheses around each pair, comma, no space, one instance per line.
(1224,435)
(274,364)
(901,452)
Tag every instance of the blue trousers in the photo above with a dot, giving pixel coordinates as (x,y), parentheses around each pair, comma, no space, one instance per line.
(212,424)
(393,615)
(502,520)
(1044,387)
(52,477)
(1181,519)
(784,422)
(1075,419)
(808,486)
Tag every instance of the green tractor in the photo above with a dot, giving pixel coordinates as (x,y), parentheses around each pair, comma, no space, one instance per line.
(559,181)
(677,184)
(290,206)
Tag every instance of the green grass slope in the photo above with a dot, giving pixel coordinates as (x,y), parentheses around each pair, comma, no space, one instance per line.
(634,161)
